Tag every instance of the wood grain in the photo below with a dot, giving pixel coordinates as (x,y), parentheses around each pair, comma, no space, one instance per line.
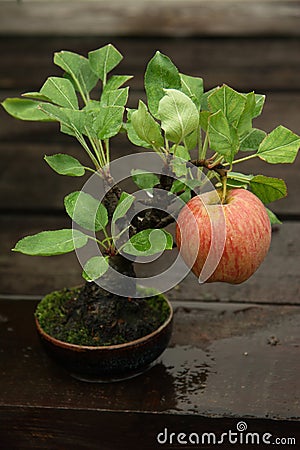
(144,18)
(262,64)
(224,363)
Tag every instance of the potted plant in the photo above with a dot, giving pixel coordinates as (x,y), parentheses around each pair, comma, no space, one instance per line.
(111,327)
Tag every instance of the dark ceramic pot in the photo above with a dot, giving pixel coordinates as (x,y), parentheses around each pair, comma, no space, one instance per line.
(109,363)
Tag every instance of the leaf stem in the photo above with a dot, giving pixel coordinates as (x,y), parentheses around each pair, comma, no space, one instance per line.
(81,140)
(80,90)
(101,149)
(167,144)
(98,242)
(242,159)
(224,189)
(106,142)
(199,142)
(106,234)
(93,171)
(203,150)
(99,154)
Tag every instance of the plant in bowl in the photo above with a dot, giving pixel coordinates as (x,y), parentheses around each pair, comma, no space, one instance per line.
(111,327)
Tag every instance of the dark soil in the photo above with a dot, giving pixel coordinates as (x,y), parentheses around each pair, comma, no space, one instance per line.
(79,316)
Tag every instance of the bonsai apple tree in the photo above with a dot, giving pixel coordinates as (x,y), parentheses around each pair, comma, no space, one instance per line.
(184,126)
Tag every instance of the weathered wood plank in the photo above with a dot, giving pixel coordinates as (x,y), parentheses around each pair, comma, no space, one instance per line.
(231,362)
(276,281)
(163,18)
(26,182)
(45,272)
(29,183)
(260,64)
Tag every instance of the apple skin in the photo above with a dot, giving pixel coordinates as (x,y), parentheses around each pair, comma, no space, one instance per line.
(247,239)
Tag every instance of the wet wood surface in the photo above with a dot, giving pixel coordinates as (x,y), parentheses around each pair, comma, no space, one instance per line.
(224,362)
(234,354)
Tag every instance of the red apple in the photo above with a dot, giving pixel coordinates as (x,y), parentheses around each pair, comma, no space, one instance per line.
(241,233)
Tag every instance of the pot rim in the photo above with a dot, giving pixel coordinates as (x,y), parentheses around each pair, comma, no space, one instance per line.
(135,343)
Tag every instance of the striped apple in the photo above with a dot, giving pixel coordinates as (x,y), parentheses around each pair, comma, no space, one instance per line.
(234,236)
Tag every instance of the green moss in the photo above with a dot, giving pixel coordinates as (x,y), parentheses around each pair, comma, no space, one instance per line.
(53,314)
(160,306)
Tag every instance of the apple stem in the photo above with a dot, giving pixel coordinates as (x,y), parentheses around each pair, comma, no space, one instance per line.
(224,190)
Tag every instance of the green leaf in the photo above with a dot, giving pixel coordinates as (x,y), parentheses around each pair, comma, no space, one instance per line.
(191,140)
(65,165)
(109,121)
(79,120)
(252,140)
(268,189)
(178,114)
(50,243)
(36,96)
(178,186)
(205,96)
(280,146)
(160,74)
(144,179)
(179,167)
(95,267)
(259,104)
(223,137)
(273,218)
(229,101)
(77,66)
(240,177)
(193,88)
(234,184)
(244,126)
(118,97)
(61,92)
(237,180)
(123,206)
(186,196)
(149,242)
(146,128)
(86,211)
(67,130)
(25,109)
(204,117)
(180,152)
(131,133)
(72,121)
(54,112)
(103,60)
(116,81)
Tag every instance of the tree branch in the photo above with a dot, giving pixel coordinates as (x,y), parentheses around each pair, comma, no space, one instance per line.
(210,165)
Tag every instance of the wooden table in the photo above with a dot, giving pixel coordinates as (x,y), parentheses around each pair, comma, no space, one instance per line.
(234,355)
